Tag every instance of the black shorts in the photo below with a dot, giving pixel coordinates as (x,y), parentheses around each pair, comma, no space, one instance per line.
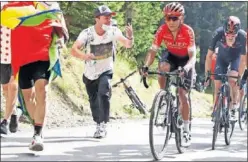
(6,73)
(30,73)
(224,60)
(175,62)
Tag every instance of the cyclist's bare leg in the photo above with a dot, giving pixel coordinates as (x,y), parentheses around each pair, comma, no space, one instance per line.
(10,94)
(241,94)
(29,98)
(163,67)
(41,95)
(183,97)
(217,85)
(234,88)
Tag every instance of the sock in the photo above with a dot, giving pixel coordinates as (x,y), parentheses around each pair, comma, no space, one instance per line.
(4,121)
(37,129)
(186,125)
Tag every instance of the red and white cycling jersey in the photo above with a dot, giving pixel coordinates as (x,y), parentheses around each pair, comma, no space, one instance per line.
(181,46)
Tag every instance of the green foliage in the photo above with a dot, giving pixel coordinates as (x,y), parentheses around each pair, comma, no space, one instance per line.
(203,17)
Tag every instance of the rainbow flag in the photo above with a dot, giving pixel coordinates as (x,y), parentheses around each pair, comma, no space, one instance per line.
(26,16)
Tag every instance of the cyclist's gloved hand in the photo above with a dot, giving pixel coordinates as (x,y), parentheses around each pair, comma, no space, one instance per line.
(182,71)
(144,71)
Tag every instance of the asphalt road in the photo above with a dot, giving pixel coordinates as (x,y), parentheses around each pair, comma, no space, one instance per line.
(125,142)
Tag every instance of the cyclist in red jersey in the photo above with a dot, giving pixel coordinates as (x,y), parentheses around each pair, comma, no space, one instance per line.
(180,50)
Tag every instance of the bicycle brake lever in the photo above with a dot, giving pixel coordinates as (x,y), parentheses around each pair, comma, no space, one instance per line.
(144,82)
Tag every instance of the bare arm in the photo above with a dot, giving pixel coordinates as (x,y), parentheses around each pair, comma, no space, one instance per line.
(208,61)
(126,41)
(191,51)
(243,59)
(150,57)
(192,60)
(76,52)
(243,64)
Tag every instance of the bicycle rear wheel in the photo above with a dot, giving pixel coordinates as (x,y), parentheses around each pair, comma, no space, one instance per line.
(243,113)
(159,118)
(139,105)
(217,121)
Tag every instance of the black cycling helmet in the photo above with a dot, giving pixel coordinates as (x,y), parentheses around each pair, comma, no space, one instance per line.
(232,25)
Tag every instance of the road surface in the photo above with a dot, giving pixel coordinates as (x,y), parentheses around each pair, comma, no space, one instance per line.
(125,142)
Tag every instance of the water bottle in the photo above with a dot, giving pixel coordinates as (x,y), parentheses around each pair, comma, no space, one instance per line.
(174,103)
(225,103)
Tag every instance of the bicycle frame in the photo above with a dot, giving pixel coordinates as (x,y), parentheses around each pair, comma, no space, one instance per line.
(167,88)
(224,89)
(172,119)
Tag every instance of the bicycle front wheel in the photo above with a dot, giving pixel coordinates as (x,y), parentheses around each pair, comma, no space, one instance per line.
(229,125)
(217,121)
(159,125)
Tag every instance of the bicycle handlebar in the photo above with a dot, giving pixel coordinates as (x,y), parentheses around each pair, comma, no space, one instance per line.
(123,79)
(165,74)
(222,76)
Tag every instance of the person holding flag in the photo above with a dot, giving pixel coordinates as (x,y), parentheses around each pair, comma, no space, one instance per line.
(37,28)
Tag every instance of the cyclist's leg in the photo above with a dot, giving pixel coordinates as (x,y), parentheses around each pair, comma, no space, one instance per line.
(213,65)
(220,68)
(184,102)
(9,85)
(183,94)
(234,91)
(164,66)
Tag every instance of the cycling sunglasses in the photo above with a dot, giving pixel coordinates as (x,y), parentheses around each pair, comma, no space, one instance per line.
(173,18)
(230,34)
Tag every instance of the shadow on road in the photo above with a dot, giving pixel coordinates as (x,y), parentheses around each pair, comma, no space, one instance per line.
(220,158)
(117,152)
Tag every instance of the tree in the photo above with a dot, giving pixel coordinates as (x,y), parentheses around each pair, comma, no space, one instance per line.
(203,17)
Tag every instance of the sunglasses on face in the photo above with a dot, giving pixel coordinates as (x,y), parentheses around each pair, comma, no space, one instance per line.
(173,18)
(231,34)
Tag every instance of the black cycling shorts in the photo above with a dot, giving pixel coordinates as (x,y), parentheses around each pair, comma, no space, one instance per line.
(32,72)
(6,73)
(175,62)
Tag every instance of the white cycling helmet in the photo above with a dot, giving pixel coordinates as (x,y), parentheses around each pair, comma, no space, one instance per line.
(174,9)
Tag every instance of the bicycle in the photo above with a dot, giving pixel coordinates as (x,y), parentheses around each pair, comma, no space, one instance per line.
(243,109)
(136,102)
(166,104)
(221,110)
